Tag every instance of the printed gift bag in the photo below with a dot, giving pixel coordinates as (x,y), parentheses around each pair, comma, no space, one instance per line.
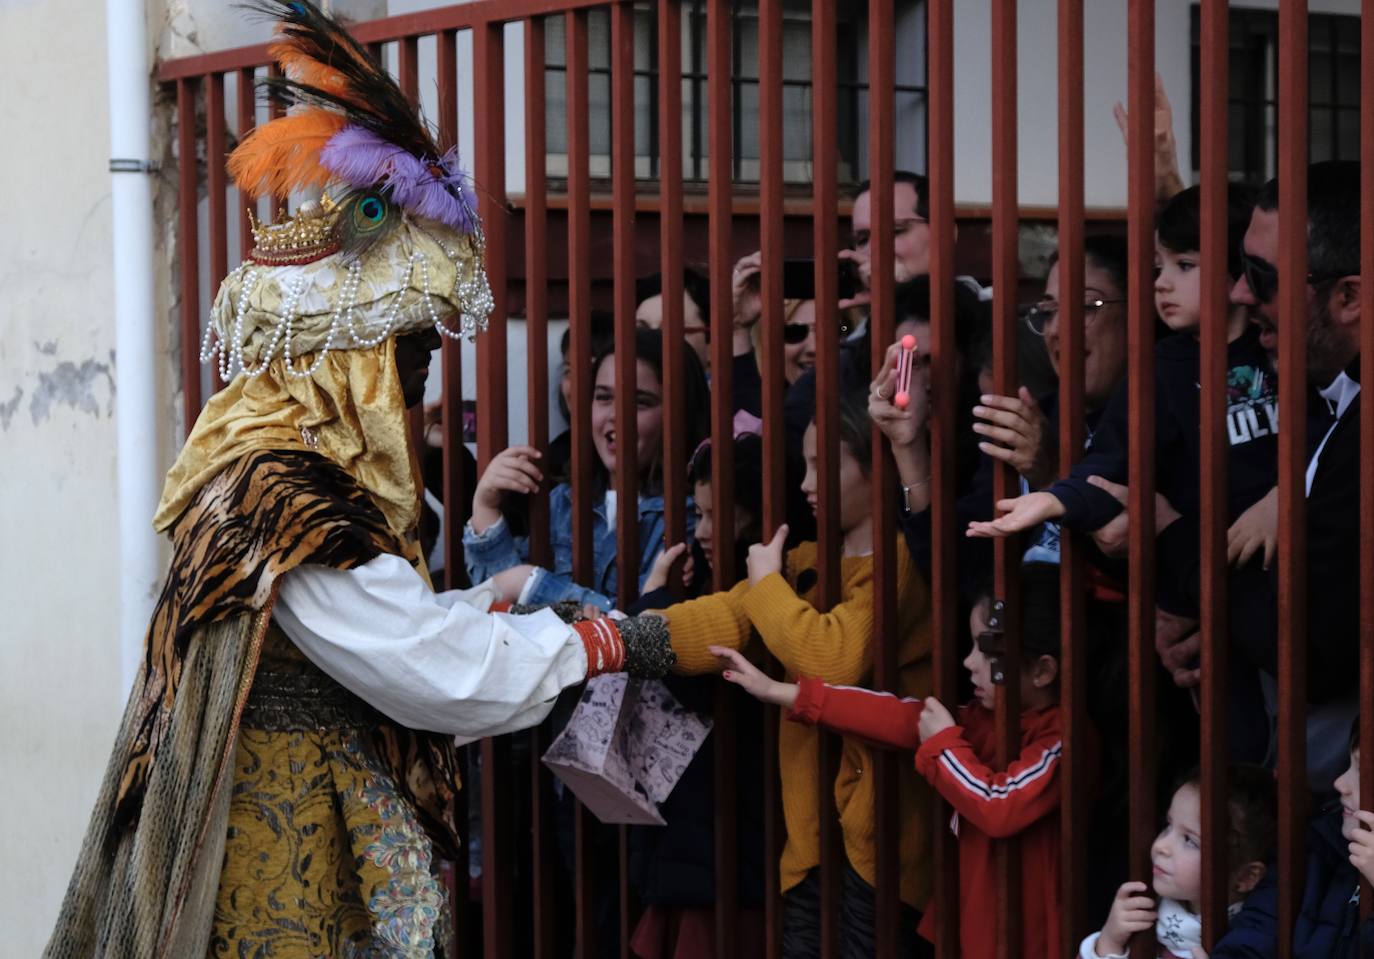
(625,747)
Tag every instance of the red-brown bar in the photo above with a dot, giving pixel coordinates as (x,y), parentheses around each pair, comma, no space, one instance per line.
(828,532)
(490,169)
(188,251)
(580,356)
(944,397)
(1292,549)
(247,119)
(670,268)
(1006,552)
(1141,500)
(218,226)
(774,437)
(721,262)
(1366,418)
(626,360)
(408,67)
(1074,772)
(881,158)
(1215,447)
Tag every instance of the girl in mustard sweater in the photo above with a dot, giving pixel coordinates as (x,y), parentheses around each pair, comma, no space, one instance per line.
(776,603)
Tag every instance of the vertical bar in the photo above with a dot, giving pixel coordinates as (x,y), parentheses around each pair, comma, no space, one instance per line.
(188,250)
(454,494)
(247,119)
(623,262)
(828,534)
(881,159)
(1366,420)
(944,396)
(1292,554)
(670,249)
(1073,809)
(1006,552)
(407,67)
(774,439)
(1141,500)
(490,170)
(537,276)
(446,67)
(626,359)
(721,178)
(215,173)
(579,313)
(720,69)
(1215,447)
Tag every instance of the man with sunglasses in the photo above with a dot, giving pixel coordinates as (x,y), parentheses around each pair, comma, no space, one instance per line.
(1332,560)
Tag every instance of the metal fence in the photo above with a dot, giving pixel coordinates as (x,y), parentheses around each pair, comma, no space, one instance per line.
(520,896)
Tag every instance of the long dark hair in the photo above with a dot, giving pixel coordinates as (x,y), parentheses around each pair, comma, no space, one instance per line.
(696,401)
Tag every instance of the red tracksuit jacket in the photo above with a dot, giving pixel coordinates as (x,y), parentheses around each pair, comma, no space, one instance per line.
(1022,800)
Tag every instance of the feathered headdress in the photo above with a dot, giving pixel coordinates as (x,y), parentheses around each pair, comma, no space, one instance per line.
(394,244)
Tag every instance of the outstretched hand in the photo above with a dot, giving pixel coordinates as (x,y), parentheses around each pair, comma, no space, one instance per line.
(512,470)
(901,426)
(766,558)
(1255,531)
(747,676)
(1168,179)
(1020,513)
(935,718)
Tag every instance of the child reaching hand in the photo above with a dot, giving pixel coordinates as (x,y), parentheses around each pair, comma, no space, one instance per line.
(1176,858)
(953,755)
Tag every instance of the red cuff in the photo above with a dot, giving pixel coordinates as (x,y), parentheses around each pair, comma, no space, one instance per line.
(501,606)
(932,747)
(810,698)
(605,649)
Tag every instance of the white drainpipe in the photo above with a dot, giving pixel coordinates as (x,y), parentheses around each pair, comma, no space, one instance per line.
(135,344)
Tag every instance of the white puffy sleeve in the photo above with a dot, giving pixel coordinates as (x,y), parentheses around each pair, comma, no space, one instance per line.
(432,661)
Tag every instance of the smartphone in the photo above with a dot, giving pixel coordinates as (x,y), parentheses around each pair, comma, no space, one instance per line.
(799,279)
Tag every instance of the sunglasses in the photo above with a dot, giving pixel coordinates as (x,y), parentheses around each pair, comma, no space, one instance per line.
(796,333)
(1263,277)
(992,642)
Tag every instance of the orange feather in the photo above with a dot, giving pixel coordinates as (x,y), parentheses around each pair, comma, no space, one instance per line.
(305,69)
(283,155)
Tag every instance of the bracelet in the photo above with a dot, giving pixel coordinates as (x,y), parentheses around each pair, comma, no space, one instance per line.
(906,493)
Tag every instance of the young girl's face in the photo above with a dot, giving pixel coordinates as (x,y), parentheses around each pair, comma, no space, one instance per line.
(705,532)
(854,499)
(1178,294)
(1348,788)
(648,419)
(1177,851)
(977,662)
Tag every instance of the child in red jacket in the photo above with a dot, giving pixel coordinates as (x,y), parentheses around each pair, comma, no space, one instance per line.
(954,755)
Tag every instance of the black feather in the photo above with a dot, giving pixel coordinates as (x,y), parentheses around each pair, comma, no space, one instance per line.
(375,102)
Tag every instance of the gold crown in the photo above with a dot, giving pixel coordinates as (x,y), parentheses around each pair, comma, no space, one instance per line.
(303,238)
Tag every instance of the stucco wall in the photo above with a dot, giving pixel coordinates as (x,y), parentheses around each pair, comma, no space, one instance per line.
(59,695)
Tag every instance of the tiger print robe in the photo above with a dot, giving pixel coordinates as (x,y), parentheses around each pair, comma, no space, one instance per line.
(145,881)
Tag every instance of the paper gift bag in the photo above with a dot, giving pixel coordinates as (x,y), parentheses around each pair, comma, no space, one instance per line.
(625,748)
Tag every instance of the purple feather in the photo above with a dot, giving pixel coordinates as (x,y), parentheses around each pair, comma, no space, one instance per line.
(363,160)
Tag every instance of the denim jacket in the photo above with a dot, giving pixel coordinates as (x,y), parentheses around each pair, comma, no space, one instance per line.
(495,549)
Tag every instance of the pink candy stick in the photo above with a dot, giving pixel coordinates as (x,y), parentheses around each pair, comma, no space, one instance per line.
(904,365)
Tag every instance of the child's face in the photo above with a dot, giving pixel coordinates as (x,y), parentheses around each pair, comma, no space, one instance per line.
(854,499)
(1348,788)
(977,662)
(1177,851)
(1178,294)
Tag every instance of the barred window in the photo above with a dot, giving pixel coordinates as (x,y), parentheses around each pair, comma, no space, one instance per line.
(1252,97)
(851,135)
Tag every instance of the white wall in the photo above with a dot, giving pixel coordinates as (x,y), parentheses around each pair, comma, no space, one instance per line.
(59,696)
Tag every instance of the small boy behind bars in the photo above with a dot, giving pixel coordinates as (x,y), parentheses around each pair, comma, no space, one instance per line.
(954,755)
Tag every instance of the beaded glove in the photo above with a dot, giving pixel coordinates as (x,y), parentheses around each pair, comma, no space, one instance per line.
(648,647)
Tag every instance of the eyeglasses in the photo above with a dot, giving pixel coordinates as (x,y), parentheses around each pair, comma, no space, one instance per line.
(1038,315)
(1263,277)
(794,334)
(861,237)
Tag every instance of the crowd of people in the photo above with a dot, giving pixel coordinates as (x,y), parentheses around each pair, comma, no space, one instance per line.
(285,777)
(827,655)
